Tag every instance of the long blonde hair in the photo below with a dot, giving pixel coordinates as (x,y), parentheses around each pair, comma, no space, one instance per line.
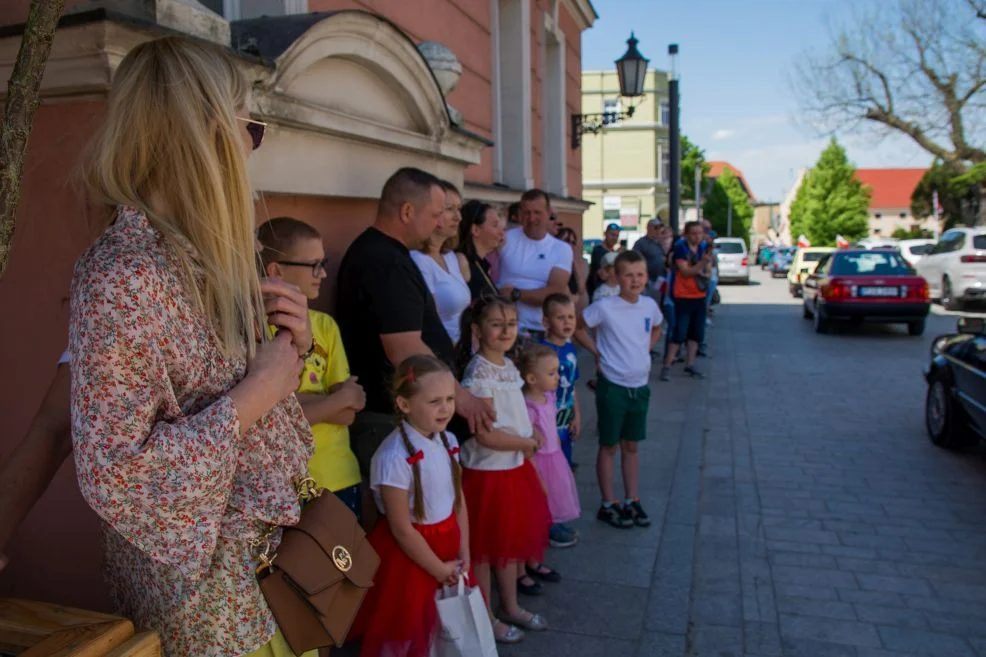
(171,147)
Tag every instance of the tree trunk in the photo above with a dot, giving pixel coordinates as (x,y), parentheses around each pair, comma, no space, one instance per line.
(23,97)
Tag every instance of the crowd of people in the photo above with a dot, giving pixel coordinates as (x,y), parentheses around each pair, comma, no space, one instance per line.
(439,402)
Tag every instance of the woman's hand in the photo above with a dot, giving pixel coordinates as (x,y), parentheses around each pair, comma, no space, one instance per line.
(272,375)
(287,308)
(477,412)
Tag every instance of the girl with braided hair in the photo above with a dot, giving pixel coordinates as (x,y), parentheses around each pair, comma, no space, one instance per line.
(423,538)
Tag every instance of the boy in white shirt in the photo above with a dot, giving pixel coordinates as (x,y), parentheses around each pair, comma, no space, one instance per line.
(627,327)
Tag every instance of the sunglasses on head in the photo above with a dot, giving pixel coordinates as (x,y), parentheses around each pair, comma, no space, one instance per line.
(256,130)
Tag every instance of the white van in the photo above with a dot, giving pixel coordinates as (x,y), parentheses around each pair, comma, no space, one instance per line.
(734,261)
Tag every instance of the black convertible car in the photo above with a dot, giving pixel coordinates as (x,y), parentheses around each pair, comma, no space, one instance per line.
(955,407)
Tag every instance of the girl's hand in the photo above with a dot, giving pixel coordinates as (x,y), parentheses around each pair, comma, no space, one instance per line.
(529,448)
(465,562)
(448,575)
(287,308)
(538,438)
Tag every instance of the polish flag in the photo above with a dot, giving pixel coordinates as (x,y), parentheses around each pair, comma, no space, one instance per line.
(841,242)
(803,242)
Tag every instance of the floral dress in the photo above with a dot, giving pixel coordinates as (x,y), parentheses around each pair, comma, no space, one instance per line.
(159,453)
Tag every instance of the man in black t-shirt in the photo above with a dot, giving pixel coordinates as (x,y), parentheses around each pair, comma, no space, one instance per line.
(384,309)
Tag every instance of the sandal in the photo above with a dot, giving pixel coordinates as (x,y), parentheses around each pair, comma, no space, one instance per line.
(512,634)
(544,573)
(534,622)
(534,588)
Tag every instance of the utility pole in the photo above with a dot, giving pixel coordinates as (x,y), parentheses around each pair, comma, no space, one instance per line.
(674,196)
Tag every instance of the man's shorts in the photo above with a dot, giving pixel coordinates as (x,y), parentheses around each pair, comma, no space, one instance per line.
(621,412)
(689,320)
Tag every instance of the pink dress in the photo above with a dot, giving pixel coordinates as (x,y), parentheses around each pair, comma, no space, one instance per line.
(563,496)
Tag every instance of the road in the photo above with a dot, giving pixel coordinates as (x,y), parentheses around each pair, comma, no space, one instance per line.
(799,508)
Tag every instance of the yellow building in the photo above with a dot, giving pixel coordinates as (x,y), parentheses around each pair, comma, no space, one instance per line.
(625,166)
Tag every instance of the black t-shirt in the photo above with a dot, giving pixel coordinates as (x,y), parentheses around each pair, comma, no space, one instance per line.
(381,291)
(480,282)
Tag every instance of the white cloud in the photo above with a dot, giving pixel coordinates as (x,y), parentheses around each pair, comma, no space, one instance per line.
(723,134)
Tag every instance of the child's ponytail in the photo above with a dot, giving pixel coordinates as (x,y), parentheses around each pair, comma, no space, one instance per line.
(418,509)
(456,472)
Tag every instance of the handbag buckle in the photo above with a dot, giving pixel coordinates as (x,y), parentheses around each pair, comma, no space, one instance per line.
(342,559)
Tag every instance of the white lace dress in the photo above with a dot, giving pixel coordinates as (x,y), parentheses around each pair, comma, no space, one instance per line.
(502,384)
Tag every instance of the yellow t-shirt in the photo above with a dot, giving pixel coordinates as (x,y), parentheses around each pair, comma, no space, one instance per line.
(333,464)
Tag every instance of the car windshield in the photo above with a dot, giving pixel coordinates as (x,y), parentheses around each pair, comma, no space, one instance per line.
(731,248)
(812,256)
(870,263)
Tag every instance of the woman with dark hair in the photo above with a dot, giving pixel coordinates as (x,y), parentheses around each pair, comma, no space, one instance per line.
(480,233)
(577,281)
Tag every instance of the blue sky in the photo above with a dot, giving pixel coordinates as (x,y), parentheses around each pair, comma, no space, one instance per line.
(735,60)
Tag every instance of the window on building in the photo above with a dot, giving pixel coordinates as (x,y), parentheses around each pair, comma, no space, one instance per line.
(877,215)
(665,114)
(665,165)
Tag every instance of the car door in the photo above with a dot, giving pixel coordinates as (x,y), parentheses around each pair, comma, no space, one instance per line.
(929,267)
(969,369)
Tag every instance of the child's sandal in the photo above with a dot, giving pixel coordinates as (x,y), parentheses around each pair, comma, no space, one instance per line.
(544,574)
(512,634)
(534,588)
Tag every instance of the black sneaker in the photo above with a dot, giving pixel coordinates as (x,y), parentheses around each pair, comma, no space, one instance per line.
(637,513)
(615,516)
(694,373)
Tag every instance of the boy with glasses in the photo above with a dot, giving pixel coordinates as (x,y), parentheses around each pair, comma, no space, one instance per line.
(330,397)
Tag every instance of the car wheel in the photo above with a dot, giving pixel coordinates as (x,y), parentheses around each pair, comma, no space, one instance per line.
(916,328)
(941,417)
(949,302)
(821,324)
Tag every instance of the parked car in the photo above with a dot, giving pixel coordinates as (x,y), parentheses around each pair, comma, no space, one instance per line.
(734,261)
(804,262)
(766,253)
(913,250)
(780,264)
(955,267)
(873,285)
(955,404)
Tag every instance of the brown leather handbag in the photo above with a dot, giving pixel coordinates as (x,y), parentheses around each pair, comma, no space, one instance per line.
(316,580)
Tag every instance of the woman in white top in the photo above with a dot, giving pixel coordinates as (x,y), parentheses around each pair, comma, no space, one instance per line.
(508,509)
(446,272)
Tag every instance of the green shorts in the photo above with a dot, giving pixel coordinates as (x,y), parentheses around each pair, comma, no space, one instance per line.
(621,412)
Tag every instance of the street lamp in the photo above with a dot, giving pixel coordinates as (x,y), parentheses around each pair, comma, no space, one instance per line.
(674,192)
(632,71)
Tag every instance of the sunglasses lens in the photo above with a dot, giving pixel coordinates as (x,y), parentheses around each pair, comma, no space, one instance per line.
(256,131)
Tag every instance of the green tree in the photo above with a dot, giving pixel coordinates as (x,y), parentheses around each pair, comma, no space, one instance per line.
(958,194)
(798,218)
(692,156)
(835,202)
(728,190)
(914,233)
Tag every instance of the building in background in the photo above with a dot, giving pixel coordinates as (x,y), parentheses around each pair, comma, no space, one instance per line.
(476,91)
(626,166)
(890,200)
(716,167)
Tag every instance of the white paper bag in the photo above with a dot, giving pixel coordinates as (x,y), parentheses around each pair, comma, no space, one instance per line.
(465,624)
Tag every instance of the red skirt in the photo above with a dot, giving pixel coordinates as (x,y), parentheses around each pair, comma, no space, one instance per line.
(399,617)
(508,515)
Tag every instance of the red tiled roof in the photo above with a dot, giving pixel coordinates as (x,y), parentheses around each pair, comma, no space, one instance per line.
(891,188)
(716,168)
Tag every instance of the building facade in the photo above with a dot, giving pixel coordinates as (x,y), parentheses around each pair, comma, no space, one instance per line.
(626,167)
(890,200)
(475,91)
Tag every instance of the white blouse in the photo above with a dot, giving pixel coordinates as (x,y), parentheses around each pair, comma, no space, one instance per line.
(391,466)
(449,288)
(503,385)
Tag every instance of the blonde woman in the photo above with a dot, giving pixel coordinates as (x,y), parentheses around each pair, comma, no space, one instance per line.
(445,271)
(186,435)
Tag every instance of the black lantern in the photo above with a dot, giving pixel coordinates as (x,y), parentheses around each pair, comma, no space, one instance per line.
(632,71)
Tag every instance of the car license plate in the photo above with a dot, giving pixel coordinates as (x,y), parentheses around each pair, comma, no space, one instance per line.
(879,292)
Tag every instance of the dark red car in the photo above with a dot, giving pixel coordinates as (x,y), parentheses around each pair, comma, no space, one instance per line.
(857,285)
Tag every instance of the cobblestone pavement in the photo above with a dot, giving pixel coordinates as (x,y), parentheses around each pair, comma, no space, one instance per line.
(799,509)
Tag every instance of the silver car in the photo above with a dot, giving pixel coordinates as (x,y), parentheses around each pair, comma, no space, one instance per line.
(955,267)
(734,261)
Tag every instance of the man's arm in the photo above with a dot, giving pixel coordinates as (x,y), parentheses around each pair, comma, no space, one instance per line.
(26,474)
(400,346)
(557,284)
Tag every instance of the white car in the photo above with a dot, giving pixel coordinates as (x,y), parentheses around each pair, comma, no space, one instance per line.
(876,243)
(913,250)
(955,267)
(734,261)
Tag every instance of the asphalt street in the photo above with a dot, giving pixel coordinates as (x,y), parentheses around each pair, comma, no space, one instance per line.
(799,508)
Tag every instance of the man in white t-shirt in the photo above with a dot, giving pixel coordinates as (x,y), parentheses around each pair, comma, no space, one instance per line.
(533,264)
(627,327)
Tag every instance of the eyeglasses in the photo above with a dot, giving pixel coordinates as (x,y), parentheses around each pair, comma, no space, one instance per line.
(317,267)
(256,130)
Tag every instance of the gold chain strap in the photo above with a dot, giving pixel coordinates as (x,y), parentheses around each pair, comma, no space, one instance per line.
(307,491)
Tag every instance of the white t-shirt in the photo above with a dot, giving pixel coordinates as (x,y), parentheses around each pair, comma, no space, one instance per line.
(449,288)
(390,467)
(605,290)
(623,333)
(503,385)
(526,264)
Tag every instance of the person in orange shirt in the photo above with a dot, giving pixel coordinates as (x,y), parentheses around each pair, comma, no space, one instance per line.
(692,261)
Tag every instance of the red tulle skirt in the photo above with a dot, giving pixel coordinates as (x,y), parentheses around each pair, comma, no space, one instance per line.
(508,515)
(399,617)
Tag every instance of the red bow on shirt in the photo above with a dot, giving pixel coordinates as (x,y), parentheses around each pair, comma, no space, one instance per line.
(417,457)
(453,451)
